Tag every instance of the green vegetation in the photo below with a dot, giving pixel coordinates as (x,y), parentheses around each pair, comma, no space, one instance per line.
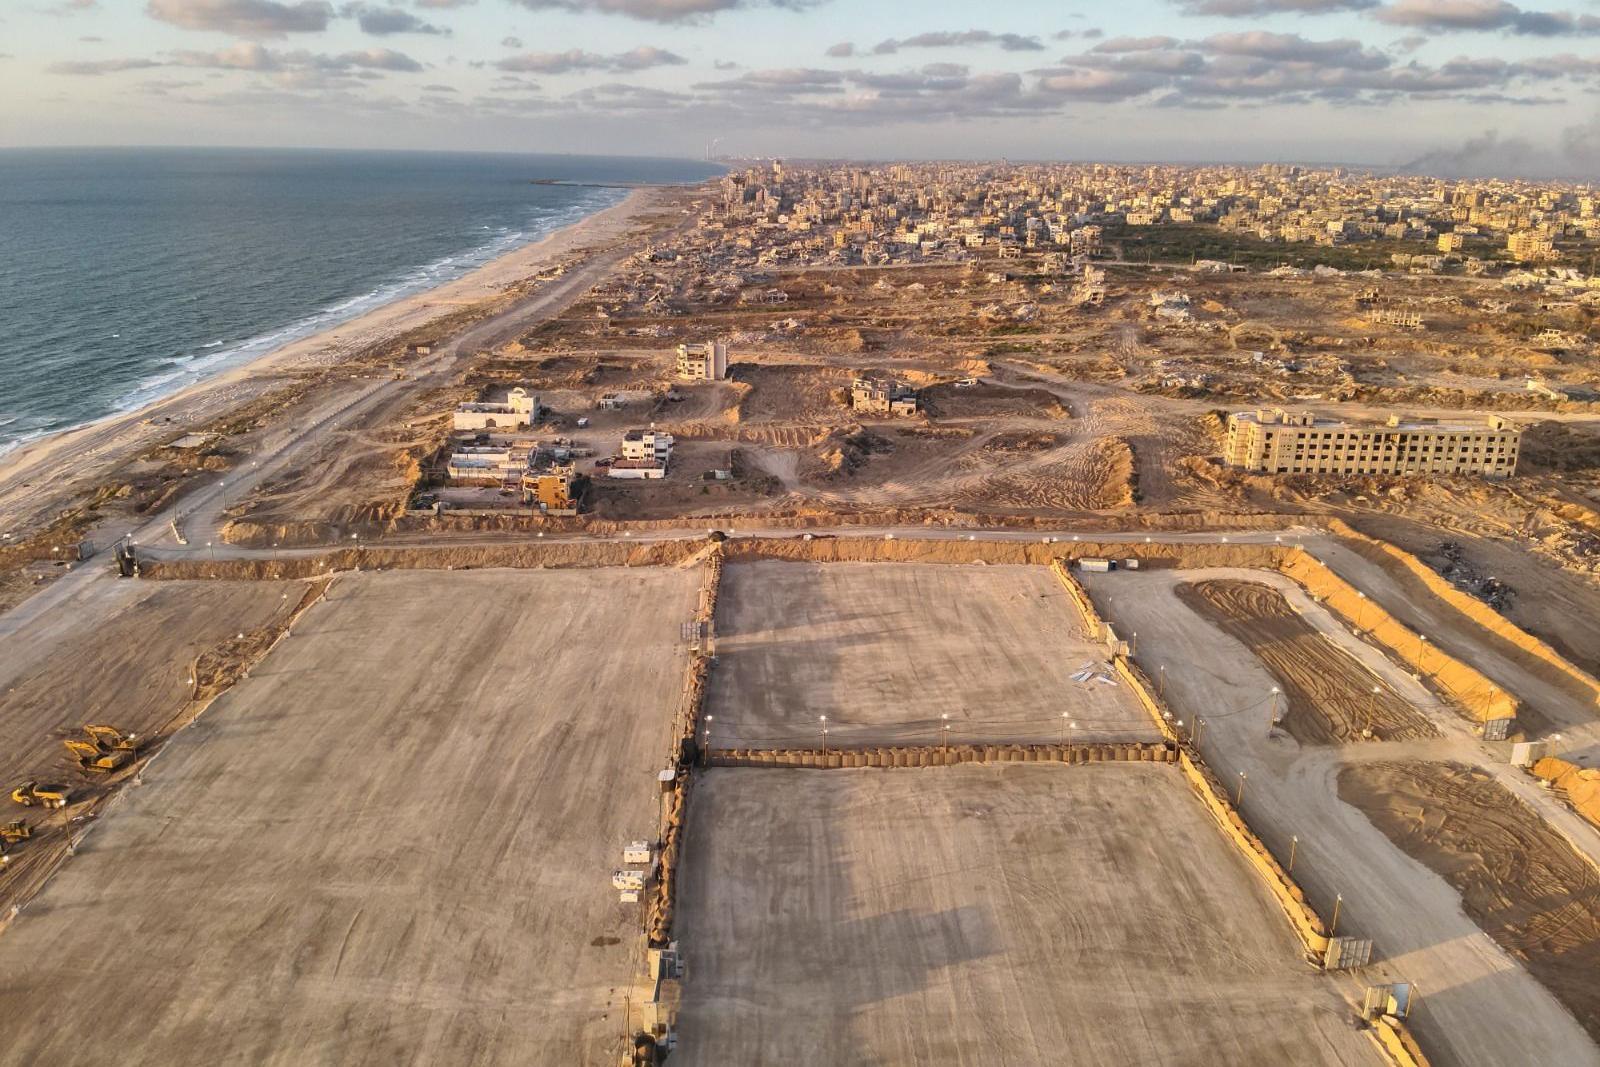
(1187,243)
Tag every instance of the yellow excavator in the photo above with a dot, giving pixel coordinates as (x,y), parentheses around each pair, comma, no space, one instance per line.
(92,757)
(46,796)
(109,738)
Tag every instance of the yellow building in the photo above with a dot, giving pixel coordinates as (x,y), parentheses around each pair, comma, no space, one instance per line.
(1530,244)
(550,490)
(1274,441)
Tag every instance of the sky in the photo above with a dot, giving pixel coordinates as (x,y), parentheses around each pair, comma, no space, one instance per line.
(1446,86)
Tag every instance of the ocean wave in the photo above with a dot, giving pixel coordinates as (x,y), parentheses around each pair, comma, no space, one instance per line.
(196,367)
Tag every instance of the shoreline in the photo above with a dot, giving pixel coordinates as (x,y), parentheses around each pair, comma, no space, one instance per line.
(64,457)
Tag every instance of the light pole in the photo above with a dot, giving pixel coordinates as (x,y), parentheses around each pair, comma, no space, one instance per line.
(944,744)
(1294,844)
(1372,712)
(705,745)
(824,720)
(1422,645)
(1361,611)
(1272,718)
(1238,800)
(1199,724)
(1161,681)
(1338,901)
(1064,742)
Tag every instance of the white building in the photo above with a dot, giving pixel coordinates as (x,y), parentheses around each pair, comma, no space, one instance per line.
(645,454)
(520,409)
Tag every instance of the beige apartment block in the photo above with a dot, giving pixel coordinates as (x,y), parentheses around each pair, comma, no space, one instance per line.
(703,362)
(1275,441)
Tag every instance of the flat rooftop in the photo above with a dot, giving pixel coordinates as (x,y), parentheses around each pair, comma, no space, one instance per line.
(885,650)
(987,915)
(1403,424)
(391,844)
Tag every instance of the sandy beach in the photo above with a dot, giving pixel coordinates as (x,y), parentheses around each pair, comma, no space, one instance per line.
(44,476)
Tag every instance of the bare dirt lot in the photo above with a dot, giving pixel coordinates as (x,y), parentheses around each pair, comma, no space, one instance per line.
(1518,879)
(1330,697)
(986,915)
(886,650)
(391,844)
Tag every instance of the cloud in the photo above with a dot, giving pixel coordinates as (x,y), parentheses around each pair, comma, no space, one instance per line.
(444,5)
(1011,42)
(254,57)
(511,42)
(1134,44)
(841,50)
(383,21)
(660,10)
(1249,8)
(1443,16)
(576,60)
(1343,52)
(95,67)
(245,18)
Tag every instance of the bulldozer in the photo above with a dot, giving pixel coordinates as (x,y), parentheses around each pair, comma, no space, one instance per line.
(46,796)
(92,757)
(111,739)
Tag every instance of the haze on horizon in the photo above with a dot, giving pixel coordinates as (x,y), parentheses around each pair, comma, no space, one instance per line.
(1454,87)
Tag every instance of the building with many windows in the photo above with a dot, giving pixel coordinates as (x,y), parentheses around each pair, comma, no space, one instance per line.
(1275,441)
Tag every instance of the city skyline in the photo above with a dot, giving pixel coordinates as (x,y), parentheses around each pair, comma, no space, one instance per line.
(1457,87)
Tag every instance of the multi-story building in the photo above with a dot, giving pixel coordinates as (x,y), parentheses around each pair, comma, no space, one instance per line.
(1275,441)
(706,362)
(550,489)
(882,396)
(1531,245)
(645,454)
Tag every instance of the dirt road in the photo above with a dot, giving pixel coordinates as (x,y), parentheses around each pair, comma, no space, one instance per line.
(1329,697)
(1518,880)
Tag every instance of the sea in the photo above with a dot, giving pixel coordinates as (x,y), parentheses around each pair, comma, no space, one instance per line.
(127,274)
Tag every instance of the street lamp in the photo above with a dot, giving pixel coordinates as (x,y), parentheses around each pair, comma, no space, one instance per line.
(944,745)
(1272,720)
(1238,800)
(1372,712)
(1194,738)
(1161,681)
(1064,730)
(705,745)
(1294,845)
(824,720)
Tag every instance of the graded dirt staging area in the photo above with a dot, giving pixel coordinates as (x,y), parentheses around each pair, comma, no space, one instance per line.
(1481,1007)
(391,844)
(885,650)
(986,915)
(1330,696)
(1519,880)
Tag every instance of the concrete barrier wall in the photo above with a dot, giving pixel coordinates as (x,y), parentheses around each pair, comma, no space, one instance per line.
(1306,922)
(1411,570)
(663,899)
(1470,689)
(940,755)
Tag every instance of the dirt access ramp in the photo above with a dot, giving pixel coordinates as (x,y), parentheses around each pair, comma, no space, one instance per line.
(986,915)
(1519,880)
(1330,696)
(390,844)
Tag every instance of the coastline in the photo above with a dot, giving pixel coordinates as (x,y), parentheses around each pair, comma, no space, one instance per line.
(51,465)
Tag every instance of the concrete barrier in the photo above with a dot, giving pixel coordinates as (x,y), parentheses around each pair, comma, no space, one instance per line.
(941,755)
(1290,897)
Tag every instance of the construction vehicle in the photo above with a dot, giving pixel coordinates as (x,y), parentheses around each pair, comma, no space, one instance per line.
(111,739)
(12,832)
(46,796)
(91,758)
